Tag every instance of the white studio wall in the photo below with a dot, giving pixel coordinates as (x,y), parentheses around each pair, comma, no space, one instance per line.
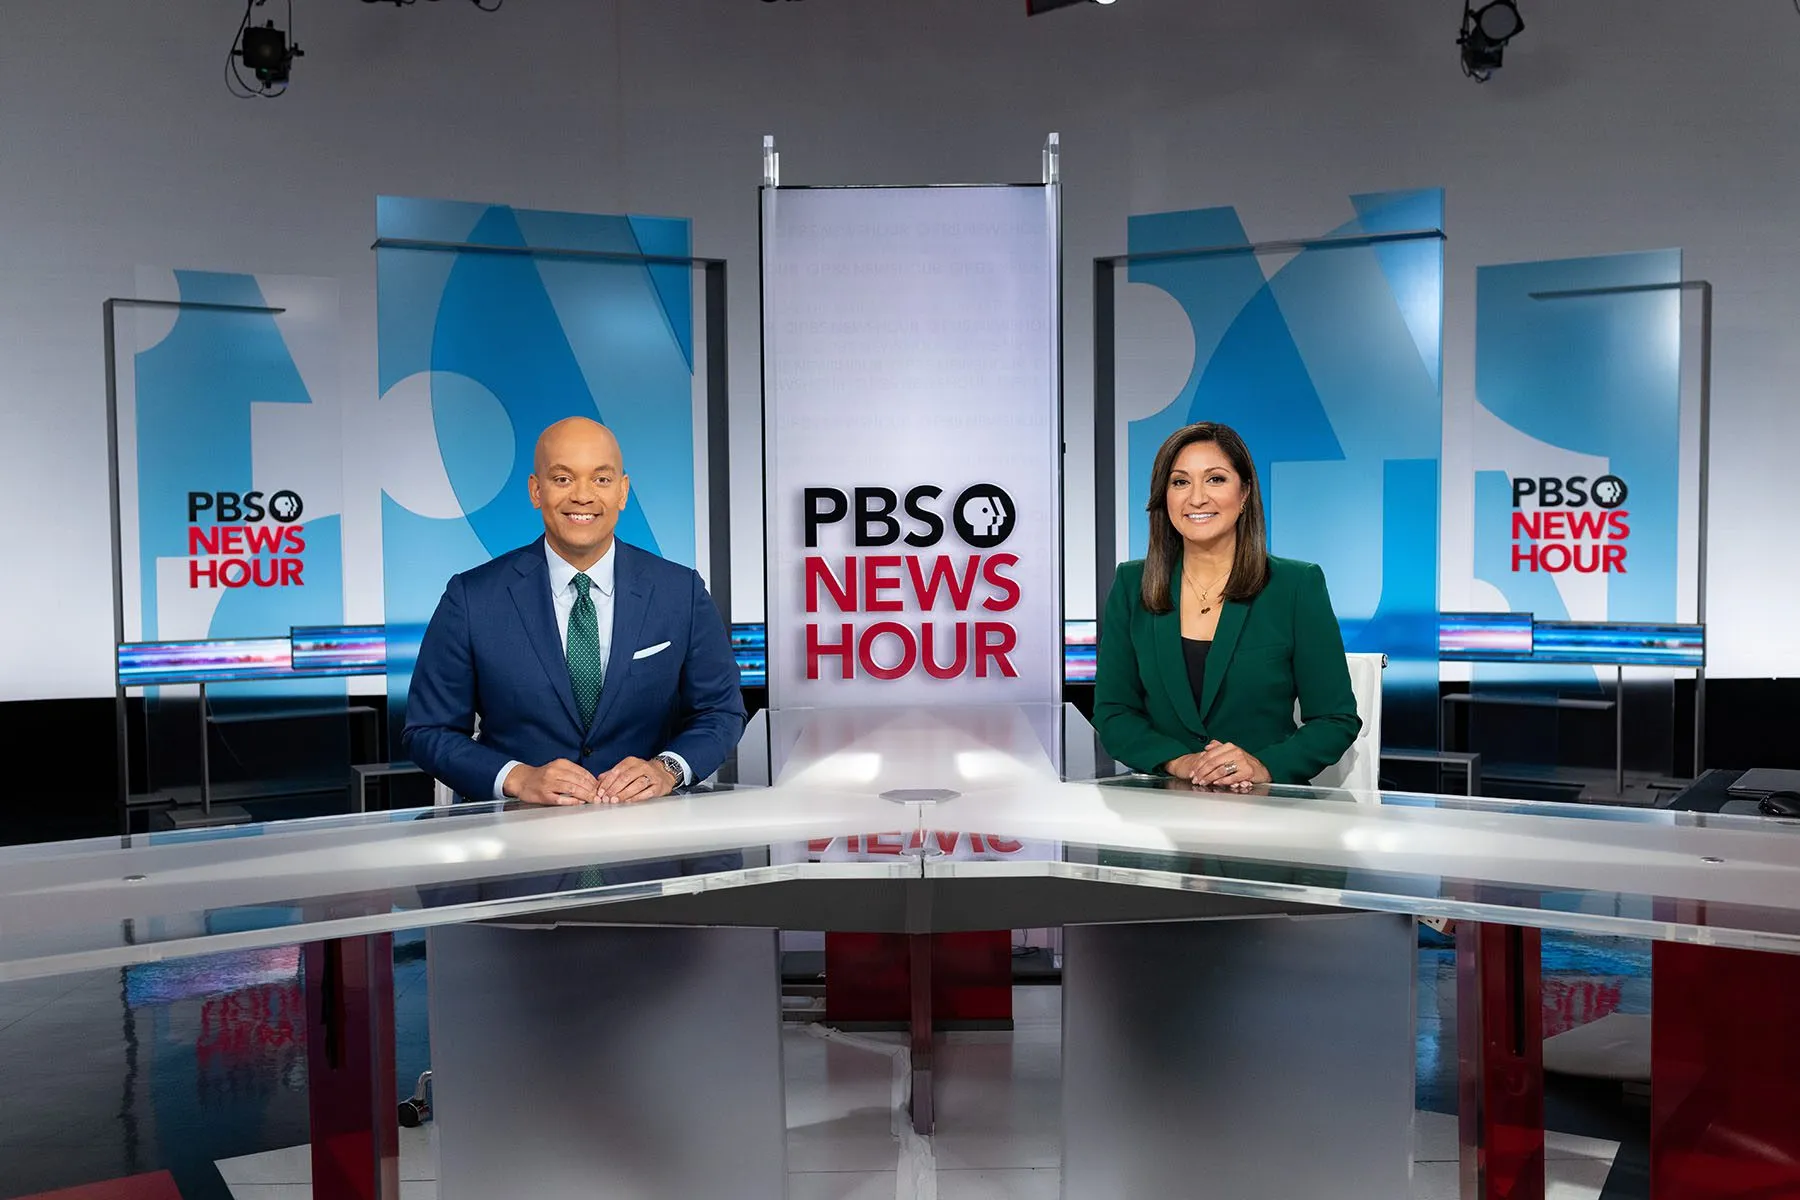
(1613,127)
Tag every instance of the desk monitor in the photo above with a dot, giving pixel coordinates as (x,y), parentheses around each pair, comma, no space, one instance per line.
(1760,781)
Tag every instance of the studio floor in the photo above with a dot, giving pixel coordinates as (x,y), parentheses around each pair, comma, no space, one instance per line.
(198,1068)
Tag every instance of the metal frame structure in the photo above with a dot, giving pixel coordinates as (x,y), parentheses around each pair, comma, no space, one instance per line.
(1705,289)
(109,325)
(718,461)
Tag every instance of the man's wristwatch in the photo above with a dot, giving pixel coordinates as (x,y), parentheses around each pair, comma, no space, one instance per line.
(672,765)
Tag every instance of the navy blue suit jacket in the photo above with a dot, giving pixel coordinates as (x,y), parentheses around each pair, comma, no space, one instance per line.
(492,649)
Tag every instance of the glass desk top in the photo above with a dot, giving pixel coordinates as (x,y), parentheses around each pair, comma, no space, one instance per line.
(879,795)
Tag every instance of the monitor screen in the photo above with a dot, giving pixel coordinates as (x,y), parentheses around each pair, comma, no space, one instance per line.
(749,642)
(339,649)
(143,664)
(1625,644)
(1484,637)
(1080,645)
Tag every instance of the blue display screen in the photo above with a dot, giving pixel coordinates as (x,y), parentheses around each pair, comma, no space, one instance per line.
(215,660)
(1484,637)
(750,644)
(339,649)
(1619,644)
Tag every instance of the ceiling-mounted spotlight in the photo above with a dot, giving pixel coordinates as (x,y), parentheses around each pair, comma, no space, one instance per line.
(268,52)
(1485,32)
(1036,8)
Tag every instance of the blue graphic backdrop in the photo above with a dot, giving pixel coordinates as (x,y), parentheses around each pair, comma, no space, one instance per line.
(1598,375)
(1331,368)
(508,344)
(192,395)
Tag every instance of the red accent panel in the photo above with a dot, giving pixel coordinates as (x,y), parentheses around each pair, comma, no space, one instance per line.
(1500,1050)
(971,976)
(1725,1074)
(868,977)
(159,1186)
(352,1095)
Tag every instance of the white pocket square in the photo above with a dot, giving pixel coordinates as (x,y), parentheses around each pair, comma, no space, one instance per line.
(647,651)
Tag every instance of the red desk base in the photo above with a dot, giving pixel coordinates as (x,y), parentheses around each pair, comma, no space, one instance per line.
(351,1088)
(1500,1051)
(1725,1074)
(869,978)
(921,982)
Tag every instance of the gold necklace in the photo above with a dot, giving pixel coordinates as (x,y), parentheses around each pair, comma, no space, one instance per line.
(1204,592)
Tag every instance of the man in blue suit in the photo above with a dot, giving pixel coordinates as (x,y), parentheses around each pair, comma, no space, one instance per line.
(601,674)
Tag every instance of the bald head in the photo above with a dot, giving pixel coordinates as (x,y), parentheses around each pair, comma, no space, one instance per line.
(578,482)
(577,438)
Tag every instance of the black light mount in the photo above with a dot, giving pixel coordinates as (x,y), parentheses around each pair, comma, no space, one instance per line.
(266,52)
(1485,32)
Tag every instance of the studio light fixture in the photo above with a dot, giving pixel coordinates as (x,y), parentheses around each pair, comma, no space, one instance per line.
(1037,8)
(1485,32)
(267,52)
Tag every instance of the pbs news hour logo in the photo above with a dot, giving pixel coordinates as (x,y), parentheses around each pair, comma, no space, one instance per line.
(1571,524)
(942,605)
(245,539)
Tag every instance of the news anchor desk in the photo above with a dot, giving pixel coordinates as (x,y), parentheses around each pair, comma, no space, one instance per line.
(1238,969)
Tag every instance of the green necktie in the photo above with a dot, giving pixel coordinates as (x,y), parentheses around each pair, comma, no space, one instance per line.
(584,652)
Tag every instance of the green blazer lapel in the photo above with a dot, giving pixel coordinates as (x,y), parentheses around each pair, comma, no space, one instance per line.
(1218,659)
(1165,633)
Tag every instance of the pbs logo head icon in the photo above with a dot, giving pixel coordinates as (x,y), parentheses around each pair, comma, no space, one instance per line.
(984,515)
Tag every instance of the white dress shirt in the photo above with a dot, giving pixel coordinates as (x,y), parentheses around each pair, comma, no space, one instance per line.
(562,601)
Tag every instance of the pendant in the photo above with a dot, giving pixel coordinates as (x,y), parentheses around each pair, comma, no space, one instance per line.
(1206,610)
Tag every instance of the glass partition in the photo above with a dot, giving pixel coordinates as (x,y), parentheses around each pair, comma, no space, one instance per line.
(496,321)
(226,459)
(1583,505)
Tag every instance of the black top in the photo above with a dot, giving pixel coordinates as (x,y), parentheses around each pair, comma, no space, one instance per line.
(1194,651)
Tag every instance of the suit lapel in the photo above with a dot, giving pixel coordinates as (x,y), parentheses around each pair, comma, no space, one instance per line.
(1165,633)
(631,604)
(531,593)
(1225,640)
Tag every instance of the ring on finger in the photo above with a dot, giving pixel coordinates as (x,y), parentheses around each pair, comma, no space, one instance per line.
(1231,768)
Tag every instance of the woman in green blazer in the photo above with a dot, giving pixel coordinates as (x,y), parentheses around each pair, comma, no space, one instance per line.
(1207,641)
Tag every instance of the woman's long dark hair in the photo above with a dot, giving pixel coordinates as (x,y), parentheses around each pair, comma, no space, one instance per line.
(1250,565)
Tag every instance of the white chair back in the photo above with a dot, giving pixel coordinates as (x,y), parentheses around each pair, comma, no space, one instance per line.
(1360,768)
